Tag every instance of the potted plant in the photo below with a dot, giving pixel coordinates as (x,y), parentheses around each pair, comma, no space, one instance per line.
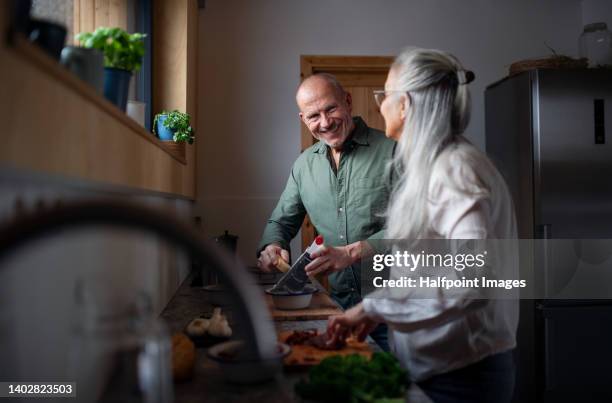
(174,130)
(122,56)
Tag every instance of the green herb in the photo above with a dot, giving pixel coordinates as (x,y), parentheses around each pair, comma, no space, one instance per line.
(356,379)
(178,123)
(121,50)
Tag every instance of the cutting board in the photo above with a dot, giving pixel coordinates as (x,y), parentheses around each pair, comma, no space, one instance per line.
(302,356)
(321,307)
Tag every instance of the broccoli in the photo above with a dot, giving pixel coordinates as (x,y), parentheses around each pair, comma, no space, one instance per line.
(355,379)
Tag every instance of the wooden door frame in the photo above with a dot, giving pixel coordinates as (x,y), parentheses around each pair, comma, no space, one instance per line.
(361,66)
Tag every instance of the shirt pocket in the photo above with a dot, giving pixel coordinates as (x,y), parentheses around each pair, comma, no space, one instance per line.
(369,199)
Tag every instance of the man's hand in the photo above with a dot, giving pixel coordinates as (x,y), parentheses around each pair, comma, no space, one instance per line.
(269,256)
(331,259)
(352,322)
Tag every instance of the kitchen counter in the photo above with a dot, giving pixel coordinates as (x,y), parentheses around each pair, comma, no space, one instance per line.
(207,383)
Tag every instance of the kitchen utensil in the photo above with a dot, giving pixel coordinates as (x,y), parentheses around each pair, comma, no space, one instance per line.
(282,265)
(228,241)
(292,301)
(246,371)
(87,64)
(296,278)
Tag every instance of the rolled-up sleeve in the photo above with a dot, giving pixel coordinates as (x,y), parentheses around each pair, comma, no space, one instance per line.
(287,217)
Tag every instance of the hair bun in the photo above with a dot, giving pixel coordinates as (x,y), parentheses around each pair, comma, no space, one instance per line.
(465,76)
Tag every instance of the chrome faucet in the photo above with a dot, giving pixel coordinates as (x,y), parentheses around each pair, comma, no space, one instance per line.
(253,322)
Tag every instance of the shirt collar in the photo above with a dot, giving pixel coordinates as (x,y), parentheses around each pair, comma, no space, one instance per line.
(359,136)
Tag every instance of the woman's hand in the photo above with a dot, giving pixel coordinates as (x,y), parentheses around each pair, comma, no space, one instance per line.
(354,322)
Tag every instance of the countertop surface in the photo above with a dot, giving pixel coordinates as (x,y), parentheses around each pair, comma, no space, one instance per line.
(207,383)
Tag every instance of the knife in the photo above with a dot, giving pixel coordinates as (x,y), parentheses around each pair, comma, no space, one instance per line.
(296,278)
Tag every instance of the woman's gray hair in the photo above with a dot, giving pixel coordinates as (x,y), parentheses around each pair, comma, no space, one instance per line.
(438,112)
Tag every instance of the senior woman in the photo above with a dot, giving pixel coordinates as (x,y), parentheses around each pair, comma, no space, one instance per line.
(457,350)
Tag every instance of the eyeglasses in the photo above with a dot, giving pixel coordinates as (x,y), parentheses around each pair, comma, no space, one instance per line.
(380,95)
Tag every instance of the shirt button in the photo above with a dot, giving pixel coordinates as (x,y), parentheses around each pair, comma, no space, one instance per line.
(341,236)
(340,209)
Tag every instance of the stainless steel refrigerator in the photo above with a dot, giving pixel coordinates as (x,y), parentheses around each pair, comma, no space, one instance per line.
(548,133)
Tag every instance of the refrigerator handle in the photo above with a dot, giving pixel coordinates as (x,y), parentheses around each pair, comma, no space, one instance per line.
(544,232)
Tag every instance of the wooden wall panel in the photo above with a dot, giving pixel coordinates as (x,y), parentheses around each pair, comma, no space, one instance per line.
(170,55)
(117,13)
(91,14)
(102,13)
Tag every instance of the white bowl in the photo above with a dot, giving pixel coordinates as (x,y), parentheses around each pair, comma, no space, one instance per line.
(292,301)
(246,371)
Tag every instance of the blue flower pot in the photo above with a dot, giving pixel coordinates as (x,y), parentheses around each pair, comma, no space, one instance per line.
(117,86)
(163,133)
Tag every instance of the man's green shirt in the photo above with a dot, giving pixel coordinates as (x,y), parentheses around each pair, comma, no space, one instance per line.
(345,206)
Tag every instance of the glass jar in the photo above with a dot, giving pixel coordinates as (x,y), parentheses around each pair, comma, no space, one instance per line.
(120,353)
(595,44)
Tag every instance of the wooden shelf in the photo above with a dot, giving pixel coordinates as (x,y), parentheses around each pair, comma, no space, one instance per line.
(23,48)
(177,150)
(55,123)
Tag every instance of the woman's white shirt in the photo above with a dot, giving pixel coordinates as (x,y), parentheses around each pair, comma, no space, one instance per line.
(468,199)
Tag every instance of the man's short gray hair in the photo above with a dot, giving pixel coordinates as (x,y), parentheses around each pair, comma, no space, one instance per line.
(328,78)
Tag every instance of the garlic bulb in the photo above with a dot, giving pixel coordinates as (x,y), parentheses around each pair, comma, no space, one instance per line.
(198,327)
(219,327)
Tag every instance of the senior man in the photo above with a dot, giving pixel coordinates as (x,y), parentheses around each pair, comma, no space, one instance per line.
(343,184)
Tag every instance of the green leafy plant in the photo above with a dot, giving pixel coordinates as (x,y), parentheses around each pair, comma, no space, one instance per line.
(178,123)
(121,50)
(355,379)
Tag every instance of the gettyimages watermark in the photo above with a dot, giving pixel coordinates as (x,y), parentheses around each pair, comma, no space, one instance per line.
(489,269)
